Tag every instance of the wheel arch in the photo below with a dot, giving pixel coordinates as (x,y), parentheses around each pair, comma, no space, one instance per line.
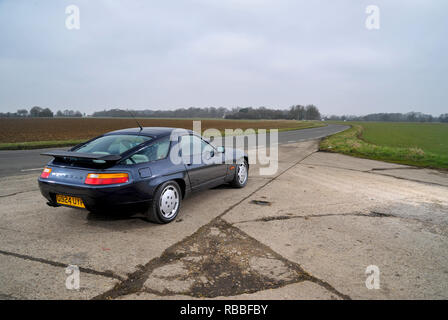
(182,185)
(180,179)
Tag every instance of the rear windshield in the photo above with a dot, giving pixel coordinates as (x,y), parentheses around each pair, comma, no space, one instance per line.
(112,144)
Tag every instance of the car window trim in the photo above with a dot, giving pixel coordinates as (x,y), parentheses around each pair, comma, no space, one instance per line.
(202,140)
(117,134)
(147,144)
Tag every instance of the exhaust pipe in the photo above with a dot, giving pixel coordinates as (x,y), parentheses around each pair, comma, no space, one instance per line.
(52,204)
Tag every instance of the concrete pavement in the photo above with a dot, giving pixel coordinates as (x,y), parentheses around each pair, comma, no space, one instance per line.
(309,232)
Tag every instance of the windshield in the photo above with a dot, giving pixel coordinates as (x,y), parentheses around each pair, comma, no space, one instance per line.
(112,144)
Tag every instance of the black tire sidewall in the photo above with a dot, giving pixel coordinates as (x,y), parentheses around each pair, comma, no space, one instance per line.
(155,205)
(236,181)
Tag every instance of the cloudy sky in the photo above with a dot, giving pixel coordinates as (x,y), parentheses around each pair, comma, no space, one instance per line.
(276,53)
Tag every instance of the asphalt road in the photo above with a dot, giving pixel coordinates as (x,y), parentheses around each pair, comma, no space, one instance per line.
(17,162)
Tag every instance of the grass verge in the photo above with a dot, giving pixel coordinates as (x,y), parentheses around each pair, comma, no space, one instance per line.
(350,142)
(38,144)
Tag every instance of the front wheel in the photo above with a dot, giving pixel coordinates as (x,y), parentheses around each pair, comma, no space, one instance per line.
(241,174)
(166,203)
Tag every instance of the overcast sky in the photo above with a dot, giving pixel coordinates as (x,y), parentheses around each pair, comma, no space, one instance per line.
(275,53)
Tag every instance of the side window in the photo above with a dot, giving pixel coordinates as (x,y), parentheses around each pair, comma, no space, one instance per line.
(156,151)
(206,147)
(191,145)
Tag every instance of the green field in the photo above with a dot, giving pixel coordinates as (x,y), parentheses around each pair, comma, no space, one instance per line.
(417,144)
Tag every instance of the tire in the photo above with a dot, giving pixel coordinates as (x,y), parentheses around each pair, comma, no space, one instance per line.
(166,203)
(240,179)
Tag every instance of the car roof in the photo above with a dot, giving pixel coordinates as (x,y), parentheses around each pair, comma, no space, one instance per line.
(154,132)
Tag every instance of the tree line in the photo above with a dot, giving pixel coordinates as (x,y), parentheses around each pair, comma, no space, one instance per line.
(393,117)
(39,112)
(295,112)
(192,112)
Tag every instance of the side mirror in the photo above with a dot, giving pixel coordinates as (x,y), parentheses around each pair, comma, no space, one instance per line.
(220,149)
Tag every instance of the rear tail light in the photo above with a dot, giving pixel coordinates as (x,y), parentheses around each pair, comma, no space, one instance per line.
(46,173)
(106,178)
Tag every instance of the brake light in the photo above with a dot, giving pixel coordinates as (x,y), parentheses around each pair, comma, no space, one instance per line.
(106,178)
(46,173)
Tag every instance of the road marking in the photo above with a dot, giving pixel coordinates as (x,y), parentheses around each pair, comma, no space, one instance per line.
(35,169)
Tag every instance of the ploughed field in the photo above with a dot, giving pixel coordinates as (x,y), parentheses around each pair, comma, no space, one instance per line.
(16,133)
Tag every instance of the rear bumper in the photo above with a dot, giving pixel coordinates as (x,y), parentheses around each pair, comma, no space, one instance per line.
(97,198)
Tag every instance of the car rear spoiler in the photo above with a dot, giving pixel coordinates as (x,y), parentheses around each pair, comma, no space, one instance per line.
(80,155)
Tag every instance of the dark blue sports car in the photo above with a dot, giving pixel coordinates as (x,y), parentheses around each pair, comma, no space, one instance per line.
(151,168)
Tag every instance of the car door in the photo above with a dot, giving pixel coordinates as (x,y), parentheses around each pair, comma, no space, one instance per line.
(211,154)
(201,162)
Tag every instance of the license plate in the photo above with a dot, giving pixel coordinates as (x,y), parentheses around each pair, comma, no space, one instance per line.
(69,201)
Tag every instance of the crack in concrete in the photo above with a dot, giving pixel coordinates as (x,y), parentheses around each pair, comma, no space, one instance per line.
(438,171)
(261,202)
(406,168)
(372,171)
(409,179)
(372,214)
(5,296)
(265,184)
(311,165)
(21,231)
(16,193)
(217,260)
(107,273)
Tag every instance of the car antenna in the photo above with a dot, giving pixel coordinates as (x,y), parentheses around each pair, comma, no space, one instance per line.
(141,128)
